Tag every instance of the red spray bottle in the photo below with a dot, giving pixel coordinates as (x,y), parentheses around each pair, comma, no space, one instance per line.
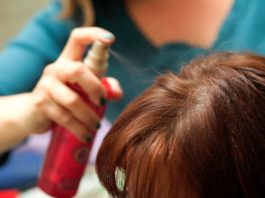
(67,156)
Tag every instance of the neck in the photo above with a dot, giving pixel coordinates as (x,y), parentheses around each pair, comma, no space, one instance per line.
(195,22)
(179,3)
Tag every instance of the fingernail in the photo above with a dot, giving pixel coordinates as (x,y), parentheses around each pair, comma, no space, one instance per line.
(103,101)
(89,139)
(108,36)
(97,125)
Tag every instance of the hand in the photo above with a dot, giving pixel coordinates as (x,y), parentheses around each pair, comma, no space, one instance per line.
(53,101)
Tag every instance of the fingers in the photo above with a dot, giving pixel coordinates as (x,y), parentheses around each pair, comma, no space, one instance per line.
(64,118)
(62,105)
(73,103)
(80,38)
(58,102)
(77,72)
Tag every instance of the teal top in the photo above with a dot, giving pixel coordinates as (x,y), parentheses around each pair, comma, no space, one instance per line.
(134,60)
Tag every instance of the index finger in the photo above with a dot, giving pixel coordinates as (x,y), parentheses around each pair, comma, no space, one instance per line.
(80,38)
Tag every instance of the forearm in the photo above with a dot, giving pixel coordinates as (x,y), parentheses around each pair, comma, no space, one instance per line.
(15,116)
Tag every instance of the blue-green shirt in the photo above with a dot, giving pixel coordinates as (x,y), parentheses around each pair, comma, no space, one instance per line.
(134,61)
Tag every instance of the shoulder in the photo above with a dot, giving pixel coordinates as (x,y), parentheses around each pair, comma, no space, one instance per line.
(256,8)
(48,21)
(253,20)
(245,28)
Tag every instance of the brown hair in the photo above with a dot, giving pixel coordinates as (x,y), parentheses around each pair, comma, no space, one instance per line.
(197,134)
(70,6)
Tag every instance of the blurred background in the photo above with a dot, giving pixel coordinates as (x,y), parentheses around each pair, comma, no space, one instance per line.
(15,13)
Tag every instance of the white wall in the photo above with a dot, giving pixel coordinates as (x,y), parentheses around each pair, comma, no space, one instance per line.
(14,14)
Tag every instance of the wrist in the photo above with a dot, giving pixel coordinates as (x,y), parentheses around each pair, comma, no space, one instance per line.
(12,120)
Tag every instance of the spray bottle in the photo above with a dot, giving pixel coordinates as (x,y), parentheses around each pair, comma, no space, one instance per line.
(67,156)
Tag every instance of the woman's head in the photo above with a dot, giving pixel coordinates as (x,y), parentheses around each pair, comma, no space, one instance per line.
(197,134)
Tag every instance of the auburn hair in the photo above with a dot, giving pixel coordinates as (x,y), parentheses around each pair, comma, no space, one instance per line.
(200,133)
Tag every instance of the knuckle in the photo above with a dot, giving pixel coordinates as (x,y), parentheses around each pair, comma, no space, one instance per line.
(74,70)
(48,70)
(46,82)
(78,69)
(66,119)
(72,100)
(75,32)
(41,100)
(91,121)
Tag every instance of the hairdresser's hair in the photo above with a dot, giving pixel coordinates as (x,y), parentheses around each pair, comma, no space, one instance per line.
(69,8)
(197,134)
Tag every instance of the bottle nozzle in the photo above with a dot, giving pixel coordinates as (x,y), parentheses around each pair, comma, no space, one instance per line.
(97,57)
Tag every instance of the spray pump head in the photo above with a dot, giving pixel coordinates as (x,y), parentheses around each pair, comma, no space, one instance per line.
(97,57)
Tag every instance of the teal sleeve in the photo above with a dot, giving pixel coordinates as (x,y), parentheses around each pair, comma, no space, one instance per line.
(38,44)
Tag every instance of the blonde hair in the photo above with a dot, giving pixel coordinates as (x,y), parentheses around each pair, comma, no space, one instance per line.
(70,6)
